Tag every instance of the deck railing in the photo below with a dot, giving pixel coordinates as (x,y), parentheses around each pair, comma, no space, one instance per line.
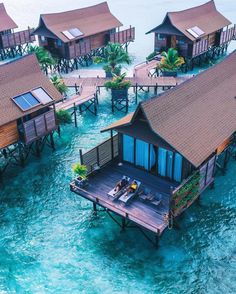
(101,155)
(124,36)
(228,35)
(39,126)
(18,38)
(200,47)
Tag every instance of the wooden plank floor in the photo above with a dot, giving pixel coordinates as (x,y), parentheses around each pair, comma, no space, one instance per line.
(142,213)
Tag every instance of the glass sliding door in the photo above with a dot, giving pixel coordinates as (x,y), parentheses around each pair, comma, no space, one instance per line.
(169,165)
(162,154)
(128,148)
(142,154)
(178,167)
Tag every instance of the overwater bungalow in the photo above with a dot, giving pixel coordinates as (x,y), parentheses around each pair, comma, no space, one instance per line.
(27,115)
(75,36)
(198,33)
(171,146)
(12,43)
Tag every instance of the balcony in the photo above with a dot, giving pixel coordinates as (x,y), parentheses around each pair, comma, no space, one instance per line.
(123,37)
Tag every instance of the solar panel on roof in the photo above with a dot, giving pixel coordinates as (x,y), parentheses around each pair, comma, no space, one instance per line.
(76,32)
(26,101)
(196,32)
(68,35)
(41,95)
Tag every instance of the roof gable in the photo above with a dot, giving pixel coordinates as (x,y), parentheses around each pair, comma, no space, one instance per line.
(83,19)
(6,22)
(205,16)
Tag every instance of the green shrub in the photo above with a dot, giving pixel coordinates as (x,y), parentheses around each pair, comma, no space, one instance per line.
(151,56)
(63,117)
(118,82)
(80,170)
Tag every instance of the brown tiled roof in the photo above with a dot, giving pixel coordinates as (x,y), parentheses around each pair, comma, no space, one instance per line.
(122,122)
(18,77)
(197,116)
(90,21)
(205,16)
(6,22)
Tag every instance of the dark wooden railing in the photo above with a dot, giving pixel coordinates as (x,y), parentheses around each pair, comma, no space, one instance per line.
(228,35)
(124,36)
(39,126)
(101,155)
(200,47)
(79,49)
(18,38)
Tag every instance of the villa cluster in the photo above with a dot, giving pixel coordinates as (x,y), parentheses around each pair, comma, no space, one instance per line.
(158,159)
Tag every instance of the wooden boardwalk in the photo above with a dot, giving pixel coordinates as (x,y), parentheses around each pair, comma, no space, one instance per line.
(142,213)
(88,87)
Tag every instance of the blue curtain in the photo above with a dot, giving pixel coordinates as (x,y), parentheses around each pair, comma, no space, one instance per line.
(169,164)
(142,150)
(162,161)
(152,156)
(178,168)
(128,148)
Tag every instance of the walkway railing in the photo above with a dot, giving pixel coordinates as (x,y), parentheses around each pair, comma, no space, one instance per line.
(123,37)
(18,38)
(101,155)
(227,35)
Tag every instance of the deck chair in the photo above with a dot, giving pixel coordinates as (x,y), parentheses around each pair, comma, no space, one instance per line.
(116,194)
(157,199)
(130,196)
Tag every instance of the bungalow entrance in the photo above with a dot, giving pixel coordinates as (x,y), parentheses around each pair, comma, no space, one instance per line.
(155,159)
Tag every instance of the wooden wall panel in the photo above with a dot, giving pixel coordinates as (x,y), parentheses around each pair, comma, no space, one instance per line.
(8,134)
(98,40)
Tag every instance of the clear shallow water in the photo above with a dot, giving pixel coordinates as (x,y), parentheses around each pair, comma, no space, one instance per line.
(51,243)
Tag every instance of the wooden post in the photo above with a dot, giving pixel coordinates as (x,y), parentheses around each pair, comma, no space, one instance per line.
(21,155)
(52,141)
(81,156)
(136,93)
(94,208)
(112,145)
(98,158)
(75,115)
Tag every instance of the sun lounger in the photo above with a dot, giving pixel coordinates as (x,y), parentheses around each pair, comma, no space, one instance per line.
(116,194)
(126,198)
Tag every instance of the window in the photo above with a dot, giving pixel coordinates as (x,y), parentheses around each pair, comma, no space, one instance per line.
(59,43)
(26,101)
(43,39)
(161,37)
(41,95)
(178,168)
(128,149)
(142,154)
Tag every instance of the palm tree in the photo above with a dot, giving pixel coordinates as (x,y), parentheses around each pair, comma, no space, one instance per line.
(44,57)
(171,61)
(59,84)
(114,56)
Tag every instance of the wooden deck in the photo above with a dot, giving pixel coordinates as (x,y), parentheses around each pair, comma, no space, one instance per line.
(142,213)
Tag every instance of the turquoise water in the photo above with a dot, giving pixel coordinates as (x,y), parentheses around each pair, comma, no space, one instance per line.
(50,242)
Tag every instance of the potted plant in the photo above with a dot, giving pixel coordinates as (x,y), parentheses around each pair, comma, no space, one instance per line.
(114,56)
(170,63)
(119,86)
(81,175)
